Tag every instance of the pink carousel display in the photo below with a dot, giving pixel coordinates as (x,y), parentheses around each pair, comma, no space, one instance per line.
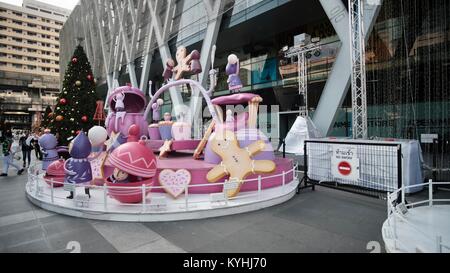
(233,164)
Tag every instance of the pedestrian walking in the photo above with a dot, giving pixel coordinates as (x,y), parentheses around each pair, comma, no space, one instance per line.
(36,147)
(8,154)
(26,149)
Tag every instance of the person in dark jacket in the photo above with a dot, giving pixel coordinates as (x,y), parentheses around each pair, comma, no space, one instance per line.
(36,147)
(26,149)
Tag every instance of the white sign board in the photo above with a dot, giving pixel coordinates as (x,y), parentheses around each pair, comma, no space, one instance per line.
(345,162)
(428,138)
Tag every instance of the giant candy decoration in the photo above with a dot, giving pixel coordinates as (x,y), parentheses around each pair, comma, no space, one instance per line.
(55,174)
(174,182)
(244,126)
(139,164)
(48,143)
(126,108)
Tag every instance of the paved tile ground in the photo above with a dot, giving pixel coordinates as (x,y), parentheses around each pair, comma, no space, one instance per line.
(324,220)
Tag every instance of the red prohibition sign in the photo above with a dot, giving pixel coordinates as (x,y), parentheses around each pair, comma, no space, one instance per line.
(344,168)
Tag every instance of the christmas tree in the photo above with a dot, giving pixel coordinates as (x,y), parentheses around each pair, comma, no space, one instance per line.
(76,103)
(46,119)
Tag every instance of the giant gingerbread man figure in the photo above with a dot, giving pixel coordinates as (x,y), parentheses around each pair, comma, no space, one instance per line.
(237,162)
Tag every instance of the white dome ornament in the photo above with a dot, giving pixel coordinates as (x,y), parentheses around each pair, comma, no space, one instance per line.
(97,136)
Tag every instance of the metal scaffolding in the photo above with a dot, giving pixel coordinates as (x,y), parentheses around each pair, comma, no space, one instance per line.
(301,51)
(358,64)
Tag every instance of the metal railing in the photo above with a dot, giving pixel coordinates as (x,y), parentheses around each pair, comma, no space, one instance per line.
(394,210)
(36,183)
(379,166)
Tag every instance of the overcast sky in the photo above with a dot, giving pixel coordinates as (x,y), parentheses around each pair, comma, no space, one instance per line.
(68,4)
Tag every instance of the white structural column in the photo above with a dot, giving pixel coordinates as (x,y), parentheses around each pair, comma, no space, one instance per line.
(123,8)
(161,33)
(338,81)
(213,10)
(147,61)
(98,15)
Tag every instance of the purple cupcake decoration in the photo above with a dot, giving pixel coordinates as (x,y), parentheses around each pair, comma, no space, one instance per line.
(48,143)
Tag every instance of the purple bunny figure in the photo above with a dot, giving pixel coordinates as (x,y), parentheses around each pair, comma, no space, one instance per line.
(195,65)
(232,70)
(78,168)
(156,107)
(48,143)
(168,71)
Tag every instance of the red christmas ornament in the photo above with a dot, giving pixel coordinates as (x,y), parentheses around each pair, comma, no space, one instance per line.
(74,60)
(84,118)
(59,118)
(89,77)
(63,101)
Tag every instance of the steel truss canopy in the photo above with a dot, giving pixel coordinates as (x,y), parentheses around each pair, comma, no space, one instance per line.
(121,34)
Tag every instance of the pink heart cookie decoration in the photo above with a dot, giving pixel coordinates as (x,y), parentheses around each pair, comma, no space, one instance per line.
(174,182)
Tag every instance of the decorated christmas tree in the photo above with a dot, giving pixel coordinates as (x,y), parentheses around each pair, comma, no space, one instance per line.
(77,101)
(47,118)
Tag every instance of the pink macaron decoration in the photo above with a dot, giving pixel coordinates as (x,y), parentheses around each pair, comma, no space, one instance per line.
(54,175)
(134,158)
(139,163)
